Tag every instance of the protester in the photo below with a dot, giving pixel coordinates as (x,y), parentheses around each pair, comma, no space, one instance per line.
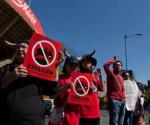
(20,94)
(115,92)
(90,114)
(132,93)
(138,117)
(71,111)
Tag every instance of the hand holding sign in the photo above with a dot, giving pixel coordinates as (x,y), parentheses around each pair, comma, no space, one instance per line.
(21,71)
(69,85)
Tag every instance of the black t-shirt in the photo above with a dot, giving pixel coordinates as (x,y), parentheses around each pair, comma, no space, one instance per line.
(21,101)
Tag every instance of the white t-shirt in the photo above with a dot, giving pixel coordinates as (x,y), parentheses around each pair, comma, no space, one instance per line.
(132,93)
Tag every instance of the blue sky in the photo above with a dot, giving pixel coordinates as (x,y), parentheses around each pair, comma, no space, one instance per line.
(82,25)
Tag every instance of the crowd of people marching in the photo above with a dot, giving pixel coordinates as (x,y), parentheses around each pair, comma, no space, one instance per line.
(21,95)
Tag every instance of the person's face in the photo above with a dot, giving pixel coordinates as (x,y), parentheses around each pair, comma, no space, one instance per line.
(117,66)
(71,67)
(126,76)
(87,64)
(22,50)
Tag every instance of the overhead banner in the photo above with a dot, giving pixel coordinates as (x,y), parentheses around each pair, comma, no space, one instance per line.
(79,94)
(42,57)
(27,14)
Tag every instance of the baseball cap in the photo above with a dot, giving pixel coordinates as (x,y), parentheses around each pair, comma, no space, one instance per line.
(71,59)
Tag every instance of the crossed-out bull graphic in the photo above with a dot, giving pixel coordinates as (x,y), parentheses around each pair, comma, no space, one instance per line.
(79,89)
(39,56)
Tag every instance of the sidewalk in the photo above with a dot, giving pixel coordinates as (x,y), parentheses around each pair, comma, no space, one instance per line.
(103,121)
(104,117)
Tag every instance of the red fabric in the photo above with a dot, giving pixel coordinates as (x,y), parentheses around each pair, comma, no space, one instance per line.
(115,83)
(92,110)
(72,111)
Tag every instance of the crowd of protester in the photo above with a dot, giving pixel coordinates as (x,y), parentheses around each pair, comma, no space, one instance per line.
(21,100)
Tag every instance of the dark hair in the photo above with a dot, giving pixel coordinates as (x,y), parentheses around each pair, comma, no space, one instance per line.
(124,73)
(24,41)
(71,59)
(117,62)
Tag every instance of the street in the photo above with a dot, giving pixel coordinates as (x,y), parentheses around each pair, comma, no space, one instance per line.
(103,121)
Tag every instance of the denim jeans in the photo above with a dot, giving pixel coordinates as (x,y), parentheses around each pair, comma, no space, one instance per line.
(128,120)
(116,112)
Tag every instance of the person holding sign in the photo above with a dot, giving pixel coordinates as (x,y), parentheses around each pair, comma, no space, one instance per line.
(90,114)
(20,94)
(71,111)
(115,92)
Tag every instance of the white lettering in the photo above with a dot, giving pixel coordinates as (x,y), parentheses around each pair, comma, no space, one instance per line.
(26,9)
(19,3)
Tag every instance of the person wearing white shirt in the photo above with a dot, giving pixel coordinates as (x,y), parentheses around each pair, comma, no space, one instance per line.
(132,93)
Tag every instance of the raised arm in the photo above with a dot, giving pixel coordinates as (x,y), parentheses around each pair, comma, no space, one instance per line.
(107,65)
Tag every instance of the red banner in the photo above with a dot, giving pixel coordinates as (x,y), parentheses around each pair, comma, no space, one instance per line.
(42,57)
(27,14)
(79,93)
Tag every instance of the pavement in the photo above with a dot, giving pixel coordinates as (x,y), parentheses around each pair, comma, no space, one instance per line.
(104,120)
(105,117)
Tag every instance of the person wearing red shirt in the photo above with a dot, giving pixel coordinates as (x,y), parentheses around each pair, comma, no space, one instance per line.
(90,114)
(71,111)
(115,92)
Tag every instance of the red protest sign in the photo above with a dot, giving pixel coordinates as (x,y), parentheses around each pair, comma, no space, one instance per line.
(42,57)
(79,93)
